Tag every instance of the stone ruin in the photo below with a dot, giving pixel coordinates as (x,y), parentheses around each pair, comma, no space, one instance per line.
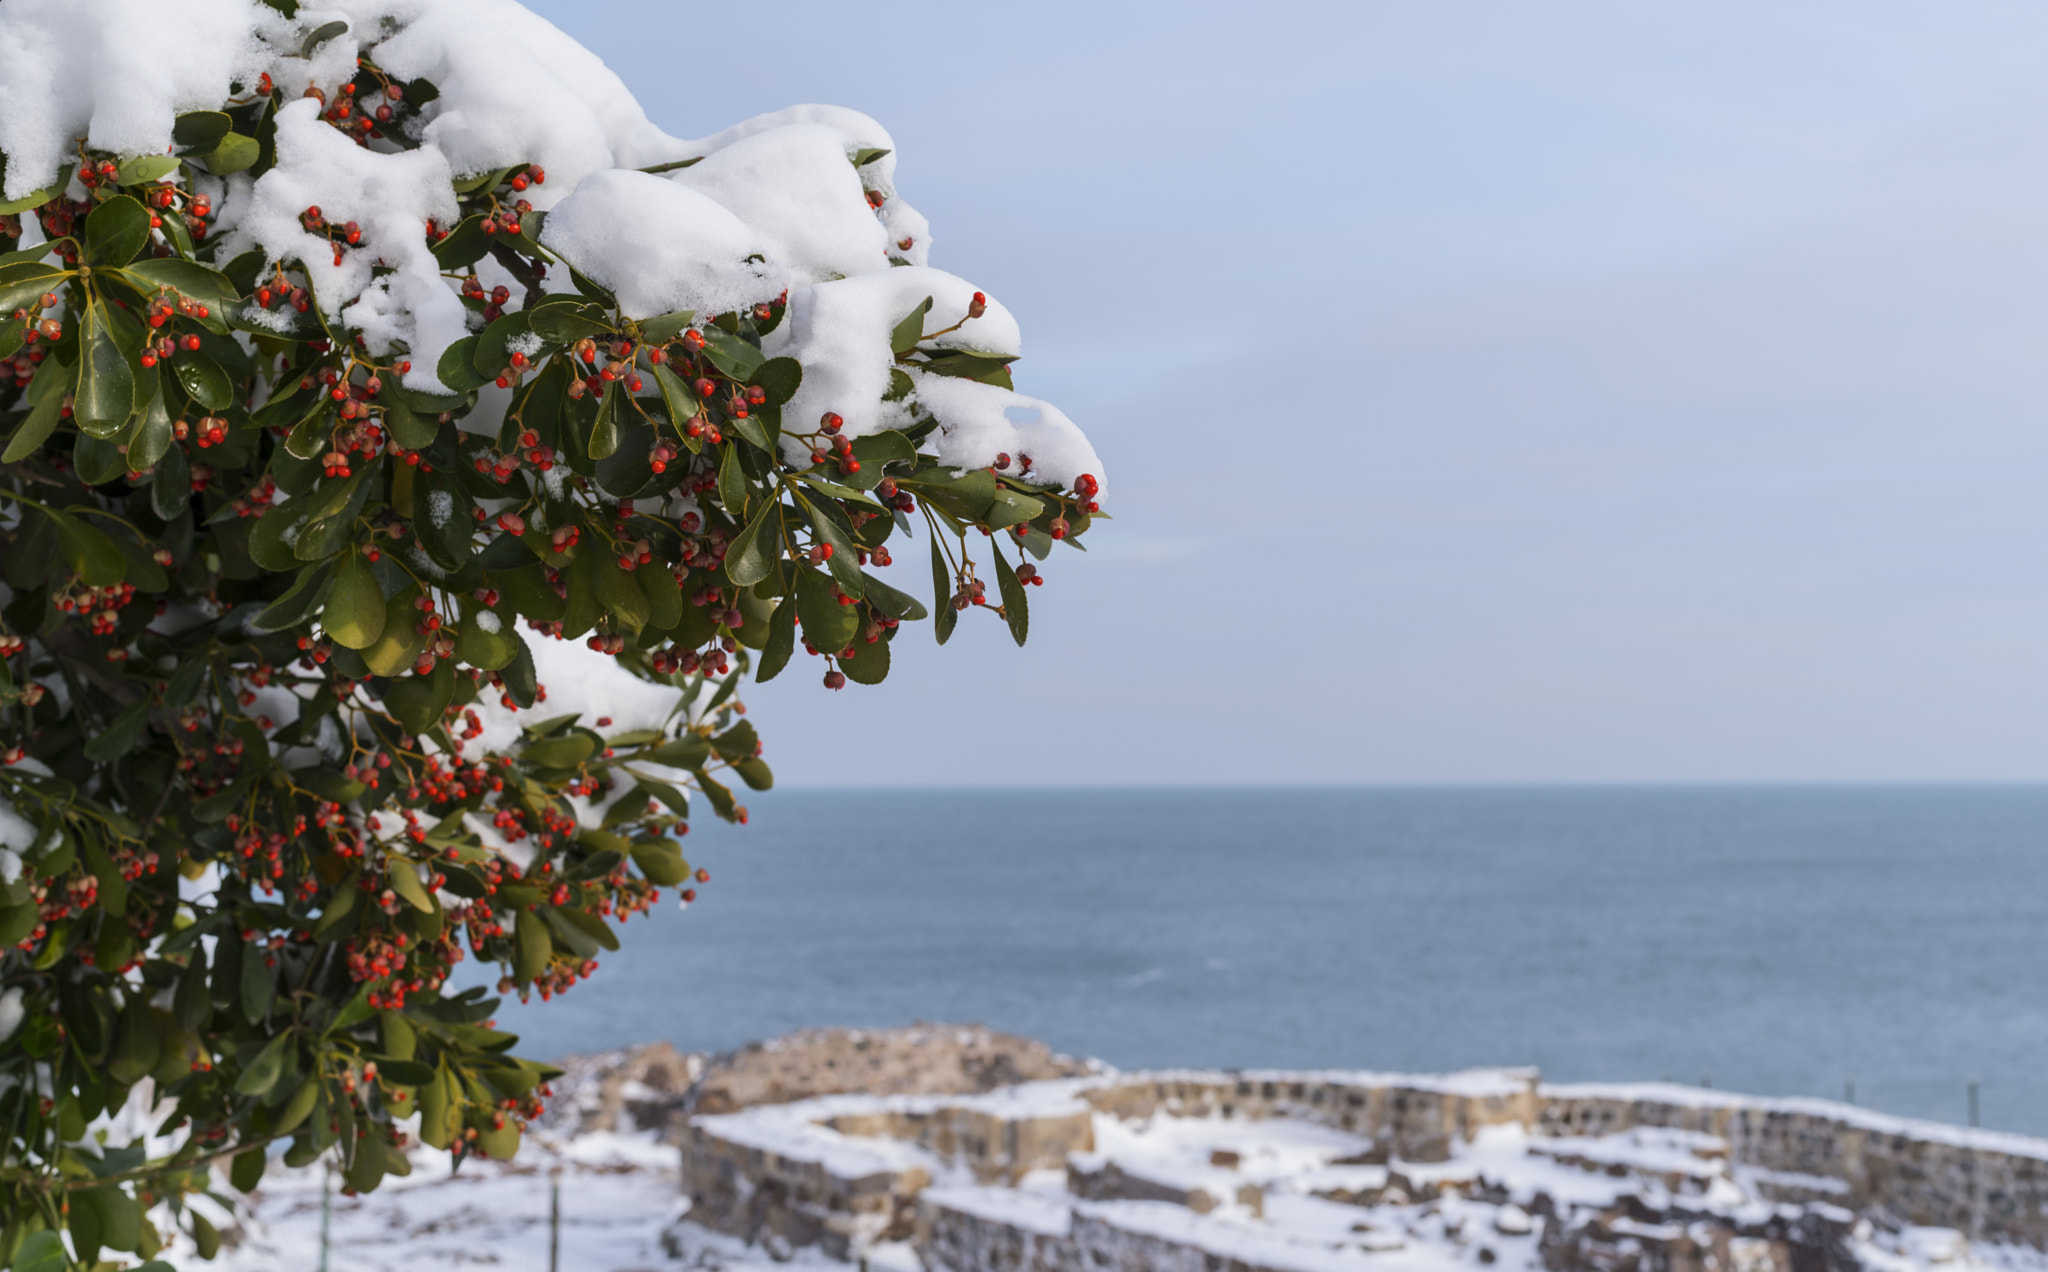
(966,1150)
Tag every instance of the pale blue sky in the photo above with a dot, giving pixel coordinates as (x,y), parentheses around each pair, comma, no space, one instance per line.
(1579,392)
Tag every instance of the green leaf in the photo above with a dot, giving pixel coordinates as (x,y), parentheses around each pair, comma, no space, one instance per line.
(754,428)
(532,948)
(296,1109)
(192,1001)
(666,327)
(672,165)
(568,936)
(203,380)
(151,440)
(189,279)
(490,355)
(1009,508)
(445,520)
(682,402)
(38,198)
(259,985)
(419,701)
(299,602)
(755,772)
(910,330)
(320,35)
(309,435)
(828,625)
(142,169)
(591,926)
(962,364)
(264,1071)
(353,615)
(731,354)
(401,642)
(732,484)
(333,516)
(567,751)
(942,594)
(620,593)
(457,367)
(781,644)
(119,737)
(245,1172)
(521,681)
(780,378)
(268,546)
(527,590)
(339,907)
(737,743)
(478,645)
(1016,608)
(685,752)
(966,496)
(877,450)
(464,245)
(593,289)
(41,1252)
(717,793)
(867,155)
(563,319)
(664,595)
(845,559)
(97,460)
(409,428)
(752,555)
(136,1051)
(42,420)
(604,434)
(116,231)
(661,861)
(93,556)
(405,881)
(201,129)
(205,1240)
(23,283)
(897,605)
(235,153)
(106,382)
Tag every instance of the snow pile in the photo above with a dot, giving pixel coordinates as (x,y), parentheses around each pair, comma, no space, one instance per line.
(115,72)
(840,332)
(17,836)
(795,187)
(515,89)
(801,200)
(660,247)
(392,285)
(978,423)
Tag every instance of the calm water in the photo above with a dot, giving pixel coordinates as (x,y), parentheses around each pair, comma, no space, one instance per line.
(1779,940)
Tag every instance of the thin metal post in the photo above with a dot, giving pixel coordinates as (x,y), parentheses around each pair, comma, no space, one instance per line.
(1849,1089)
(326,1210)
(1973,1101)
(555,1220)
(1707,1081)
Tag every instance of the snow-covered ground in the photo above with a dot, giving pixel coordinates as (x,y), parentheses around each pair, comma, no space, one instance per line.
(1270,1193)
(618,1192)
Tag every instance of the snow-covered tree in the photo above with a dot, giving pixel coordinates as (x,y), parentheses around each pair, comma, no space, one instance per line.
(405,451)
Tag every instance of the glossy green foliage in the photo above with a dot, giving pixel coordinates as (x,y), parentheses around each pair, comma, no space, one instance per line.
(269,629)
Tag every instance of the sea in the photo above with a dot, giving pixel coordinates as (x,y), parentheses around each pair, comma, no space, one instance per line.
(1888,945)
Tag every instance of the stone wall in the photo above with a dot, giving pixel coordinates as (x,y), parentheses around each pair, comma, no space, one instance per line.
(848,1169)
(1988,1186)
